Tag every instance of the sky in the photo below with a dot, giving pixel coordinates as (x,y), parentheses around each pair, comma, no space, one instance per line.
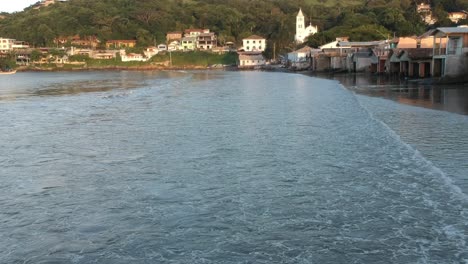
(15,5)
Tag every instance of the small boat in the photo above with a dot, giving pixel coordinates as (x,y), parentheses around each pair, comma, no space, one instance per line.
(7,72)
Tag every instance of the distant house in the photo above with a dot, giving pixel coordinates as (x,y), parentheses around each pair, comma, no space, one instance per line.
(251,60)
(119,44)
(77,40)
(151,51)
(104,55)
(206,41)
(6,45)
(457,16)
(425,11)
(162,47)
(18,45)
(254,43)
(301,59)
(174,45)
(194,32)
(177,35)
(301,54)
(189,43)
(133,57)
(450,58)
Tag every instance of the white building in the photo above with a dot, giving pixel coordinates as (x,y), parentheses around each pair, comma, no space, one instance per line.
(254,43)
(303,32)
(251,60)
(6,45)
(151,51)
(133,57)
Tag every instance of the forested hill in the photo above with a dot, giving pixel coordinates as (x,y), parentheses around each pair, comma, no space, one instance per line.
(149,20)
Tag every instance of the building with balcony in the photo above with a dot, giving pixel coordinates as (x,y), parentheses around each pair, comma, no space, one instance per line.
(6,45)
(450,51)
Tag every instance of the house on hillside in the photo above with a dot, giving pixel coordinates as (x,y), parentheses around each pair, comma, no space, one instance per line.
(425,11)
(194,32)
(151,51)
(176,35)
(254,43)
(450,58)
(206,41)
(6,45)
(188,43)
(173,45)
(457,16)
(120,44)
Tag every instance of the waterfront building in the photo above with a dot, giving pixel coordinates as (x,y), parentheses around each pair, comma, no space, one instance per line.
(449,58)
(302,32)
(254,43)
(251,60)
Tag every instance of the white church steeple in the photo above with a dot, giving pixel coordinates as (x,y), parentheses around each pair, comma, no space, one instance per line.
(303,32)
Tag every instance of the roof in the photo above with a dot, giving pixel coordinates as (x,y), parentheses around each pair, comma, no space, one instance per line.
(300,12)
(417,54)
(255,37)
(451,30)
(189,38)
(360,43)
(427,33)
(305,49)
(122,41)
(247,56)
(196,30)
(206,34)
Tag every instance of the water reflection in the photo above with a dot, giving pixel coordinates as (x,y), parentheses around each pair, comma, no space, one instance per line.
(452,98)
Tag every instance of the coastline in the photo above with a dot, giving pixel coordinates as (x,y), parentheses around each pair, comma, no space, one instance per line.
(118,68)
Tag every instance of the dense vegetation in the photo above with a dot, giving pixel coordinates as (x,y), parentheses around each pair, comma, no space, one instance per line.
(149,20)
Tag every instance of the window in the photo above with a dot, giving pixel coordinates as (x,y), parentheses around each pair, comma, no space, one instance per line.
(247,42)
(253,42)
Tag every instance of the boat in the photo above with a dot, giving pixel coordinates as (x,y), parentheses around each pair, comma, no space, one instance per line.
(7,72)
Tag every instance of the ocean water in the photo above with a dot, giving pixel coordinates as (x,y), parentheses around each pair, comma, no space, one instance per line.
(225,167)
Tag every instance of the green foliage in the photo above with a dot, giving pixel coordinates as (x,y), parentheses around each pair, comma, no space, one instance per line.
(8,62)
(148,21)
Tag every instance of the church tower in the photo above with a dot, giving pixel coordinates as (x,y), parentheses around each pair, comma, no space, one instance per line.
(300,26)
(303,32)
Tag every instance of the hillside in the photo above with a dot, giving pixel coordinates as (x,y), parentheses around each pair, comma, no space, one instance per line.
(149,20)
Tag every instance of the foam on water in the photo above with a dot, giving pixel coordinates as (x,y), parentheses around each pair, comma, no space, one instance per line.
(447,180)
(216,167)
